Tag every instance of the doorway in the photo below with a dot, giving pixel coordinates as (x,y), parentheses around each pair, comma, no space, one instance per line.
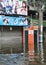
(35,41)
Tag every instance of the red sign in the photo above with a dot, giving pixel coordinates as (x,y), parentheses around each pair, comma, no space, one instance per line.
(31,43)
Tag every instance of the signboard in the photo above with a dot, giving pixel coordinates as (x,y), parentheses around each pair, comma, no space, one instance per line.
(34,22)
(14,21)
(13,7)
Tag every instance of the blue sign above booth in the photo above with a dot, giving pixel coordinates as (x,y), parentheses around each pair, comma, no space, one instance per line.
(13,21)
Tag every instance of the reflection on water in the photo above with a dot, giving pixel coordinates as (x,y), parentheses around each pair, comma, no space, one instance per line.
(12,59)
(16,59)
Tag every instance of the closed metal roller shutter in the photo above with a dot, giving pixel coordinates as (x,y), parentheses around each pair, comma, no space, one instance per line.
(11,39)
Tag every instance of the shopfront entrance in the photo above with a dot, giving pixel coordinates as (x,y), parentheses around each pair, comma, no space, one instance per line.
(11,39)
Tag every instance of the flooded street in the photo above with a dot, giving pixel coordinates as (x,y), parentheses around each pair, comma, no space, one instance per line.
(11,59)
(16,59)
